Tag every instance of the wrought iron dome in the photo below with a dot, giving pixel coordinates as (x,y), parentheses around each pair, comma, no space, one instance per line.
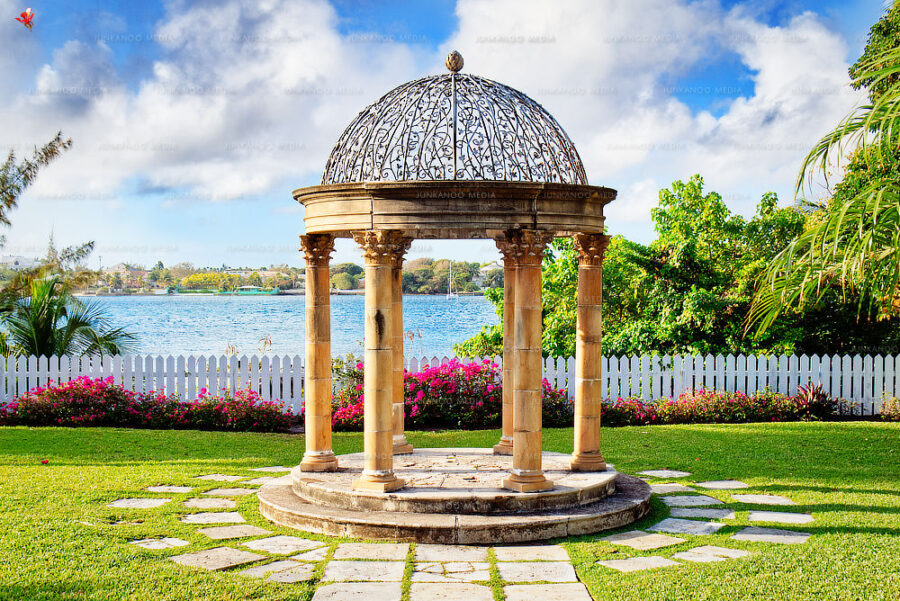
(454,127)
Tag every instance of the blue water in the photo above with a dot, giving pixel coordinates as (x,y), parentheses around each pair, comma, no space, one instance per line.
(185,325)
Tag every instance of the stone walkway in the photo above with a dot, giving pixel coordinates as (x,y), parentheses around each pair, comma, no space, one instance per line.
(430,572)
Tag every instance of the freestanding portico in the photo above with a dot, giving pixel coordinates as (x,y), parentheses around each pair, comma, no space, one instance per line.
(452,156)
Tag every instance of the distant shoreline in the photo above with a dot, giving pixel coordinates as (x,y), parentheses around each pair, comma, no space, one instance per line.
(283,293)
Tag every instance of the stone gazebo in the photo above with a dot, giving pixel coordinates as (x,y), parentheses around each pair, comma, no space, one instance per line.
(454,156)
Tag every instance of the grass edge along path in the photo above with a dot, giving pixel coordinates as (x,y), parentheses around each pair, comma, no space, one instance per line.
(58,540)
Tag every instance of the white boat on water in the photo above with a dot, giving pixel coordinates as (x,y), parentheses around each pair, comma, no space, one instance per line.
(450,293)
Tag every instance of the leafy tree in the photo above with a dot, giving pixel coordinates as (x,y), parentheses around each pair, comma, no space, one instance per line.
(689,290)
(343,281)
(50,321)
(255,279)
(852,246)
(15,177)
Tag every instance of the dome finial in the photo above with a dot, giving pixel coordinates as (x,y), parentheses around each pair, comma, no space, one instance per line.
(454,61)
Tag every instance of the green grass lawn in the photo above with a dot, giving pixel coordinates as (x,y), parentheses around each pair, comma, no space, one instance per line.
(58,540)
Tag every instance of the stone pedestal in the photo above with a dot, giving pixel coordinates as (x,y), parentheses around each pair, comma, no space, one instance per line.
(319,456)
(380,249)
(526,474)
(588,353)
(400,445)
(507,249)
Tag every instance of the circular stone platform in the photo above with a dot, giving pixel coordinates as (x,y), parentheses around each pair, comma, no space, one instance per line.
(454,481)
(453,496)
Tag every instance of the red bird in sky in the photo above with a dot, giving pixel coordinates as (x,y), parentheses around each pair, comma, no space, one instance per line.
(26,18)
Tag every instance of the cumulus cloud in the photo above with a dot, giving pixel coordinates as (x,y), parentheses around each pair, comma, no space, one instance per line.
(245,99)
(606,69)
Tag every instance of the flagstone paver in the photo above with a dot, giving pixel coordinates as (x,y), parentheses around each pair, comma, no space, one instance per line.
(710,553)
(763,499)
(283,545)
(220,477)
(227,532)
(301,573)
(700,512)
(669,487)
(160,543)
(547,592)
(643,541)
(453,571)
(359,591)
(723,484)
(260,480)
(314,555)
(679,526)
(216,559)
(169,489)
(665,473)
(372,551)
(198,503)
(230,492)
(365,570)
(771,535)
(781,517)
(690,501)
(269,568)
(138,503)
(271,468)
(427,552)
(450,592)
(634,564)
(214,517)
(531,553)
(537,571)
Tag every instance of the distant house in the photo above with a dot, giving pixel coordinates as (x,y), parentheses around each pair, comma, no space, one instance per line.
(18,262)
(131,276)
(483,272)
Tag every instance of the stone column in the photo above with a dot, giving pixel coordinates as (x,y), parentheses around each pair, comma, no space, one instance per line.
(527,475)
(319,457)
(507,249)
(380,249)
(401,445)
(588,334)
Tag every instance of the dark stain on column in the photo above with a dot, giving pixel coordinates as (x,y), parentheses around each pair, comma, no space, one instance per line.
(379,324)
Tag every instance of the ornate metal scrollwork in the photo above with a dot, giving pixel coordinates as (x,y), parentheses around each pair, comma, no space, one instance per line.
(454,126)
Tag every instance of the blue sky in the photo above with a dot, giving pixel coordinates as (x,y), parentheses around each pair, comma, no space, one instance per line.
(187,145)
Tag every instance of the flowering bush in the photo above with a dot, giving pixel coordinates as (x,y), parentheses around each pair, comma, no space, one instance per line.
(890,410)
(711,407)
(99,402)
(452,395)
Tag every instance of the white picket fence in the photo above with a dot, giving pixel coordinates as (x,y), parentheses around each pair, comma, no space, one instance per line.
(862,380)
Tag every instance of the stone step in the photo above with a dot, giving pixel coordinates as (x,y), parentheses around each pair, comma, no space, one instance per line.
(454,481)
(630,502)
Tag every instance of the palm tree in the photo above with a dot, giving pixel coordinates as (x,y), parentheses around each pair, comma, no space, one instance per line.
(50,321)
(853,246)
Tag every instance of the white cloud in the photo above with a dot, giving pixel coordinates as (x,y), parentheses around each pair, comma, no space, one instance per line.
(605,70)
(247,99)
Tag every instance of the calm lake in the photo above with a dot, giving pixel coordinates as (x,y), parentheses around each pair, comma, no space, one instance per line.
(185,325)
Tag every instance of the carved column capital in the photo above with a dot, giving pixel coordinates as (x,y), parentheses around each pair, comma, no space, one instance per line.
(384,247)
(530,246)
(317,248)
(591,248)
(507,246)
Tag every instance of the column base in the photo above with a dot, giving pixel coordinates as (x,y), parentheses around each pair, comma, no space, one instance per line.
(319,463)
(378,483)
(587,462)
(504,447)
(402,448)
(530,483)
